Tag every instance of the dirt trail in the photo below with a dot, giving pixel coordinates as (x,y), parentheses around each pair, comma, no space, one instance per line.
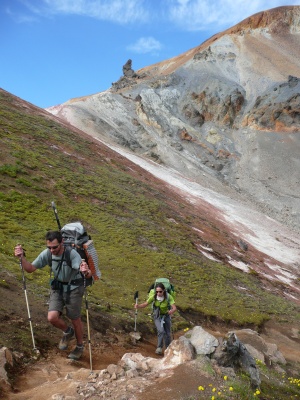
(56,365)
(184,381)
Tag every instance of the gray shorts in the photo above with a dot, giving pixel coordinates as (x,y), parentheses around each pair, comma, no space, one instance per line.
(71,300)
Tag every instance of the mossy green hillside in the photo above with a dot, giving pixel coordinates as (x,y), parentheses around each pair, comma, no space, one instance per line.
(138,234)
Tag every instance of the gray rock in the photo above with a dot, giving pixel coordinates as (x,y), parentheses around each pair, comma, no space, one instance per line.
(235,354)
(6,358)
(204,342)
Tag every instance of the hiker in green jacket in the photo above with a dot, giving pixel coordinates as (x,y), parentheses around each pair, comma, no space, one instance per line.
(163,307)
(66,289)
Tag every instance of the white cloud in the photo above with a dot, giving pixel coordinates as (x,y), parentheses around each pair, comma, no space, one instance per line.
(19,17)
(145,45)
(188,15)
(119,11)
(197,15)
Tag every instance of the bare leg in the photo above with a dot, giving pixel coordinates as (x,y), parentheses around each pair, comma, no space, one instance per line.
(55,319)
(78,328)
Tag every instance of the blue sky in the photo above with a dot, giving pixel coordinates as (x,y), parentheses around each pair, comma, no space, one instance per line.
(55,50)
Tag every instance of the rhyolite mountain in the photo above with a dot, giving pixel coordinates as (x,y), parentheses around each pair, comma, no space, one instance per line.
(225,114)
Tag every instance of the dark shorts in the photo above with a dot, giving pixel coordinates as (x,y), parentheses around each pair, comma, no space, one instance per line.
(71,300)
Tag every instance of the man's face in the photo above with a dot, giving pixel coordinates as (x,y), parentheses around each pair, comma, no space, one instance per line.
(55,247)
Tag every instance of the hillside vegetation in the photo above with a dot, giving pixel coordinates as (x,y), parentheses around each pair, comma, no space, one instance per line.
(141,231)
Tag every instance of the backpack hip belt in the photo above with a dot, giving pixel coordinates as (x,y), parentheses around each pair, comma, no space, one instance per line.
(75,282)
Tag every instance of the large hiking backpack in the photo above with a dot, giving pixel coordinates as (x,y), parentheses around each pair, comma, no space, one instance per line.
(167,284)
(75,236)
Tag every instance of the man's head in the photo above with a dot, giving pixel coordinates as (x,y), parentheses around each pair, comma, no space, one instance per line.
(52,235)
(54,242)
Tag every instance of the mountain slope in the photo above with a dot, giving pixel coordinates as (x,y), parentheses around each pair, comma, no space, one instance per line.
(142,228)
(224,114)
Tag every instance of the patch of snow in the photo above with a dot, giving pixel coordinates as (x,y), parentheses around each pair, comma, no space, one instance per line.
(238,264)
(291,296)
(283,279)
(197,230)
(206,248)
(282,271)
(208,255)
(267,276)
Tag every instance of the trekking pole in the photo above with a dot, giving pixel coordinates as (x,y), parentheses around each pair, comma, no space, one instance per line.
(172,331)
(56,214)
(88,321)
(27,304)
(136,298)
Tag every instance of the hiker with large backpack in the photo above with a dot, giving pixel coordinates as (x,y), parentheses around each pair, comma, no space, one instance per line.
(67,287)
(163,305)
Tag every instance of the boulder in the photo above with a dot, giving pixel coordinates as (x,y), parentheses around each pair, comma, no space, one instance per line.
(204,342)
(6,359)
(179,352)
(235,355)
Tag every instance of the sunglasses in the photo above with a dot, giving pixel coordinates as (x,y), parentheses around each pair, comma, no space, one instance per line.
(53,247)
(159,291)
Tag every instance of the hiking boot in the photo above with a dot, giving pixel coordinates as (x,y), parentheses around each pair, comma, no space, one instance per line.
(158,350)
(67,337)
(76,353)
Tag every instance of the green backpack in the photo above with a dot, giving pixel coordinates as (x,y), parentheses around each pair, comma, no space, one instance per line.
(167,284)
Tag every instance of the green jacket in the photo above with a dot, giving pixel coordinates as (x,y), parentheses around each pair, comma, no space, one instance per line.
(164,305)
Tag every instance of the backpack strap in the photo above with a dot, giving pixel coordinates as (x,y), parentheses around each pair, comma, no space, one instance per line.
(68,249)
(49,255)
(58,268)
(168,300)
(65,257)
